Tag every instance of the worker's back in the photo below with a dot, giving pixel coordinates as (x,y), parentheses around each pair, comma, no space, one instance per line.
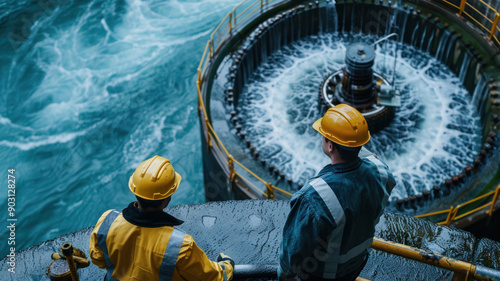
(140,252)
(332,218)
(335,216)
(142,242)
(362,191)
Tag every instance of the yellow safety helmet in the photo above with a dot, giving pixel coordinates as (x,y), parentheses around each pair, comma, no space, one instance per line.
(154,179)
(343,124)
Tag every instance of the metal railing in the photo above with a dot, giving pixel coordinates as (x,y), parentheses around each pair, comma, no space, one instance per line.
(491,16)
(223,32)
(470,207)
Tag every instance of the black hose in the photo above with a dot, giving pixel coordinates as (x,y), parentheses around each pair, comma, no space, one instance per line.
(243,271)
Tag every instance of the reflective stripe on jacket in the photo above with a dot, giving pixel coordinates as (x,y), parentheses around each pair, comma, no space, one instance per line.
(131,252)
(332,219)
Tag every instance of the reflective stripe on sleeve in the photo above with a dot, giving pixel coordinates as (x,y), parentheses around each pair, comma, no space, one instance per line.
(384,176)
(171,254)
(223,270)
(102,235)
(364,153)
(333,249)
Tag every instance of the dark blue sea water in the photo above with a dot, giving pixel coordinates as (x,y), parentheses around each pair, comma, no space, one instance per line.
(88,90)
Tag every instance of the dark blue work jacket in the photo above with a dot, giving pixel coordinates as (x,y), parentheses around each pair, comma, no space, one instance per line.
(332,219)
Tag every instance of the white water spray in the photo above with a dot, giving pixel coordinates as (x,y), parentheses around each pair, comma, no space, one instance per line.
(434,135)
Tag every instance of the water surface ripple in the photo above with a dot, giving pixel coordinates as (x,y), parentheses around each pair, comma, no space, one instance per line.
(89,89)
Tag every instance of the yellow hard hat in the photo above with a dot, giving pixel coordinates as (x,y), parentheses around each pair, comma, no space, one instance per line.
(343,124)
(154,179)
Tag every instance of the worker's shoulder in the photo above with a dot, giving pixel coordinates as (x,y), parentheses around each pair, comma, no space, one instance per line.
(188,241)
(373,160)
(308,203)
(301,193)
(376,167)
(307,195)
(310,189)
(105,214)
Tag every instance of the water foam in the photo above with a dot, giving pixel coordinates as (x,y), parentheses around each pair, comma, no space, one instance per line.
(145,140)
(435,133)
(83,96)
(39,141)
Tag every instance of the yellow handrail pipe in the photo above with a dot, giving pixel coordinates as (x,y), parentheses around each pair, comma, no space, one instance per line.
(231,168)
(270,191)
(493,202)
(234,11)
(495,23)
(451,215)
(462,6)
(462,270)
(230,24)
(452,211)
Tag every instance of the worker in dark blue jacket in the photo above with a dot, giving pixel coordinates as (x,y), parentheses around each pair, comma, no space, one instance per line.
(332,218)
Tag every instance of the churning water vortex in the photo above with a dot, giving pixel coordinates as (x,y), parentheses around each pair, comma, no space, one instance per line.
(435,134)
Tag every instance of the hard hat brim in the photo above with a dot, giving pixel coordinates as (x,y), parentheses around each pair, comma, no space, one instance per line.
(317,126)
(178,179)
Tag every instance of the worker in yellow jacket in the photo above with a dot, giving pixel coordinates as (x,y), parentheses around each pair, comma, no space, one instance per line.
(141,242)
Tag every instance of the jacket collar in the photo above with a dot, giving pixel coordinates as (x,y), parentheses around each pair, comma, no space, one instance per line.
(142,218)
(341,167)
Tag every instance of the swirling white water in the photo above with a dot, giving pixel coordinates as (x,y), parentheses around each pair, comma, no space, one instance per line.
(436,132)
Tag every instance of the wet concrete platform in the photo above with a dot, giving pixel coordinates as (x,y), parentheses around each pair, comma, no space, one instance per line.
(250,232)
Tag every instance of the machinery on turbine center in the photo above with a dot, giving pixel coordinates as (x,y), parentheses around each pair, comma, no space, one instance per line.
(359,86)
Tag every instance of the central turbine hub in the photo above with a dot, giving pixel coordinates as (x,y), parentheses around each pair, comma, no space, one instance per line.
(357,80)
(359,86)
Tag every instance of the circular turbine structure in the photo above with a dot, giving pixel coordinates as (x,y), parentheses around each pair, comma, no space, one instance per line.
(424,96)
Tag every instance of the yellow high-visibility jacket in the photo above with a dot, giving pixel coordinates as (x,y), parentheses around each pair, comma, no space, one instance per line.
(132,245)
